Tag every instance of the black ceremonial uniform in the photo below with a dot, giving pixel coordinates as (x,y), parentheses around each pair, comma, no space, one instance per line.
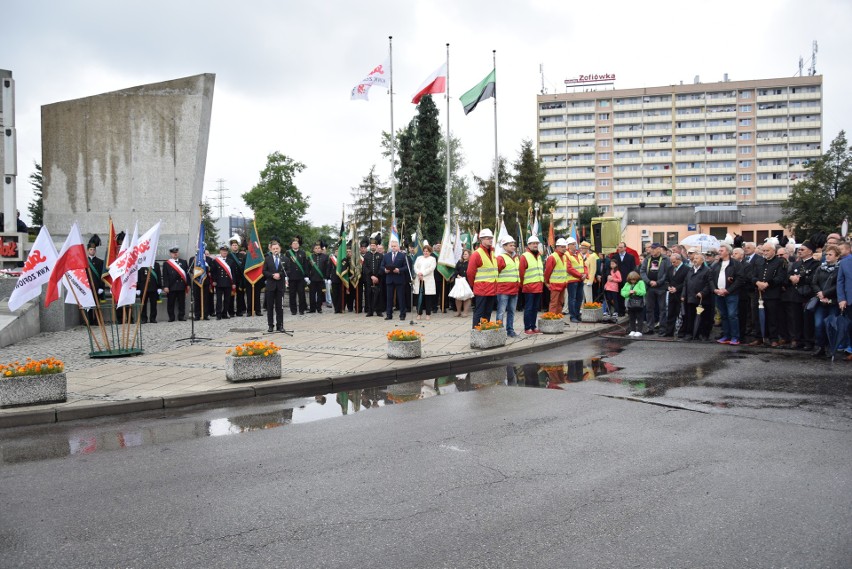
(224,283)
(373,299)
(148,311)
(177,283)
(239,299)
(296,265)
(317,269)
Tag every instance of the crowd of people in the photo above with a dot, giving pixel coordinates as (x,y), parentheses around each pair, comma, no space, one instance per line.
(777,294)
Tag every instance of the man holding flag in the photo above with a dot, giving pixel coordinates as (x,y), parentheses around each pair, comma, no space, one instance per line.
(253,271)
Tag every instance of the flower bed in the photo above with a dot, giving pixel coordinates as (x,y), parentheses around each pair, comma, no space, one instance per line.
(591,312)
(488,334)
(34,382)
(404,345)
(551,323)
(252,361)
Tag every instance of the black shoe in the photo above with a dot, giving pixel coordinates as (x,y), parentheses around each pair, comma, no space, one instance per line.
(206,318)
(225,317)
(280,329)
(238,314)
(182,319)
(319,311)
(369,314)
(269,329)
(171,319)
(380,314)
(402,316)
(389,318)
(293,313)
(820,353)
(258,314)
(153,321)
(301,314)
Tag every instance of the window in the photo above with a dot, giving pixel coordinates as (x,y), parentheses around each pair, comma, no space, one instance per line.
(604,156)
(603,116)
(745,177)
(745,191)
(604,195)
(745,122)
(603,143)
(603,129)
(745,108)
(745,163)
(746,149)
(604,169)
(603,183)
(603,103)
(745,136)
(745,94)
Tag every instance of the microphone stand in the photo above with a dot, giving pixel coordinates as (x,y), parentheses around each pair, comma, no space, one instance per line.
(193,339)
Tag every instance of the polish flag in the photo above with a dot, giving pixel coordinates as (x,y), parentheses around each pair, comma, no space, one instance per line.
(115,285)
(435,83)
(72,256)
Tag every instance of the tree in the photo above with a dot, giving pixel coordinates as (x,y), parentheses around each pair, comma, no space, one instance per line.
(529,185)
(408,199)
(460,201)
(823,198)
(485,198)
(429,173)
(36,207)
(371,204)
(279,207)
(211,235)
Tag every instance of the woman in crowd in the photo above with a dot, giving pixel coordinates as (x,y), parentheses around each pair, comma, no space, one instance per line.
(461,290)
(634,299)
(424,271)
(825,285)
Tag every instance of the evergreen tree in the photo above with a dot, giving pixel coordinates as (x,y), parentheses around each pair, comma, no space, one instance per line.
(529,185)
(429,173)
(460,202)
(485,198)
(211,235)
(371,204)
(36,207)
(584,227)
(279,207)
(823,198)
(408,198)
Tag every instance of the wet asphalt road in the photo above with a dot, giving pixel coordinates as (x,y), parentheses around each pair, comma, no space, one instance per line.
(686,456)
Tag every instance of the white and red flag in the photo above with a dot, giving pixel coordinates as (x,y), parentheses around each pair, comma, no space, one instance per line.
(36,271)
(131,272)
(147,246)
(71,256)
(435,83)
(79,280)
(115,285)
(378,77)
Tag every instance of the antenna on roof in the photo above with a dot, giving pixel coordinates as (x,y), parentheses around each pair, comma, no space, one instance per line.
(541,72)
(812,69)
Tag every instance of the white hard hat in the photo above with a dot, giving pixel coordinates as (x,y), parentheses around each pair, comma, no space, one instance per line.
(506,240)
(533,239)
(236,238)
(571,241)
(485,233)
(561,242)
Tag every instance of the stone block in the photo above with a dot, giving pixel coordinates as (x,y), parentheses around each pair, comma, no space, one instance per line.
(551,326)
(33,390)
(405,350)
(485,339)
(250,368)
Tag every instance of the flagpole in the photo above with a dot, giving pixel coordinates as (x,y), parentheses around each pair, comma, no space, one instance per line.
(448,132)
(496,156)
(82,313)
(392,136)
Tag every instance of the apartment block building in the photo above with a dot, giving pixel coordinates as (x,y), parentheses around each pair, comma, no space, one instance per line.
(720,144)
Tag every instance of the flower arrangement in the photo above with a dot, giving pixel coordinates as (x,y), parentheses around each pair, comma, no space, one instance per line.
(254,349)
(552,316)
(592,305)
(404,336)
(488,325)
(46,366)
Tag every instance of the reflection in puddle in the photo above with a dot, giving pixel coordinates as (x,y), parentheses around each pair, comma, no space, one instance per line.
(88,440)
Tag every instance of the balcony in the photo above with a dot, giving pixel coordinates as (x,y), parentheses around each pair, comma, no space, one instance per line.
(771,98)
(773,183)
(812,138)
(590,136)
(577,163)
(690,130)
(628,174)
(579,175)
(774,168)
(721,171)
(690,103)
(575,124)
(806,110)
(723,128)
(657,132)
(776,154)
(689,199)
(721,142)
(658,159)
(773,112)
(627,120)
(657,105)
(721,184)
(550,112)
(554,164)
(552,138)
(689,186)
(626,201)
(633,107)
(806,96)
(649,187)
(690,116)
(630,160)
(721,101)
(691,144)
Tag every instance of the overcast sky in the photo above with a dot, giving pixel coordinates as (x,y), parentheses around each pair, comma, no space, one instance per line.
(284,70)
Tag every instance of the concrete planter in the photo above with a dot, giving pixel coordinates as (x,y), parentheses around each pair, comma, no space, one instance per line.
(250,368)
(33,390)
(591,314)
(485,339)
(405,350)
(551,326)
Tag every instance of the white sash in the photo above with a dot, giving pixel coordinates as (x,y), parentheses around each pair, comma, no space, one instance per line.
(225,266)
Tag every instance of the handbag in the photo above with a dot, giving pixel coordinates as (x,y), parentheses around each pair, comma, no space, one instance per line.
(812,304)
(635,301)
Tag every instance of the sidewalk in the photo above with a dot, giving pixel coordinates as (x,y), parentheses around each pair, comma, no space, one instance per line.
(326,352)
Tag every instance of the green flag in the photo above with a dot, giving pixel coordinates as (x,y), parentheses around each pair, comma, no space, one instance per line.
(254,256)
(485,89)
(342,268)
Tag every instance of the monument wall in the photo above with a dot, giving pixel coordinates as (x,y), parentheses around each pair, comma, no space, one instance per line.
(137,154)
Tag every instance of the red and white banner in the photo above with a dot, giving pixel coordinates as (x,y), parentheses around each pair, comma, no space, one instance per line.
(129,278)
(72,256)
(179,270)
(142,253)
(435,83)
(80,286)
(378,77)
(36,271)
(116,284)
(224,264)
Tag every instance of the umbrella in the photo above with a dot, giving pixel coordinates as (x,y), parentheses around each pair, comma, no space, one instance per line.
(698,311)
(837,330)
(702,241)
(761,312)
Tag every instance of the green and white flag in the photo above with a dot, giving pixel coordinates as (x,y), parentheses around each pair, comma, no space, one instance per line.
(485,89)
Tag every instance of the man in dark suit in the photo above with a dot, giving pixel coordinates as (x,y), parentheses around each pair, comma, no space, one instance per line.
(317,270)
(95,273)
(273,270)
(676,278)
(626,264)
(237,305)
(697,292)
(148,310)
(175,284)
(222,271)
(297,273)
(395,267)
(373,277)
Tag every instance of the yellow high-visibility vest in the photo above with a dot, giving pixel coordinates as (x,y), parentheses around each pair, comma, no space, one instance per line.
(511,273)
(487,273)
(535,269)
(559,274)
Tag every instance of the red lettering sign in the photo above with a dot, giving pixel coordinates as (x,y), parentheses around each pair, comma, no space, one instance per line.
(34,259)
(9,249)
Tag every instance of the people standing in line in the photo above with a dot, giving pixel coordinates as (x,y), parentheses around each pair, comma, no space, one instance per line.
(612,287)
(654,273)
(626,263)
(424,281)
(508,282)
(825,287)
(395,266)
(317,269)
(633,293)
(697,293)
(273,271)
(482,276)
(237,303)
(175,284)
(531,274)
(462,293)
(575,267)
(676,278)
(726,279)
(373,277)
(556,277)
(297,275)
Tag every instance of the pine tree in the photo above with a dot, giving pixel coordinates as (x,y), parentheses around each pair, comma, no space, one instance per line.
(371,204)
(485,197)
(822,200)
(279,207)
(429,173)
(36,207)
(529,185)
(211,235)
(460,202)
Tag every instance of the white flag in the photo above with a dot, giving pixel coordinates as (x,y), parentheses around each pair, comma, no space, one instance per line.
(447,256)
(458,249)
(80,282)
(498,247)
(127,295)
(36,271)
(122,262)
(378,77)
(147,247)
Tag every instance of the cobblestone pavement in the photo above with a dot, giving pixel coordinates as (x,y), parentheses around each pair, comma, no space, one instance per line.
(323,345)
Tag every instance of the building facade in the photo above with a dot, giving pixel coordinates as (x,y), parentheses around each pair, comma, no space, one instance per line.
(730,143)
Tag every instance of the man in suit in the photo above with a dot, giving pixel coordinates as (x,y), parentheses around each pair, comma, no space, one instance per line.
(675,278)
(297,273)
(626,263)
(752,261)
(317,269)
(273,270)
(395,267)
(95,273)
(238,260)
(148,310)
(697,292)
(726,280)
(373,277)
(768,277)
(222,271)
(175,284)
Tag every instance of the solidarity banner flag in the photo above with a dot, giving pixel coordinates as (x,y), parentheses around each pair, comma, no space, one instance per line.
(378,77)
(147,247)
(254,256)
(115,285)
(72,256)
(130,276)
(36,272)
(435,83)
(485,89)
(81,287)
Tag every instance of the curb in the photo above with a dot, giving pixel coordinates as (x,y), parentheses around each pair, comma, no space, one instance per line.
(293,388)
